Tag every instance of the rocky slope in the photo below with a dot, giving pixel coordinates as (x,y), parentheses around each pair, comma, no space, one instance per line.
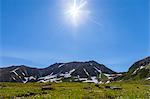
(138,71)
(90,71)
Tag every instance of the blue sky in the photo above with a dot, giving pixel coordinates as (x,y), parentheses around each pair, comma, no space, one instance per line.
(37,33)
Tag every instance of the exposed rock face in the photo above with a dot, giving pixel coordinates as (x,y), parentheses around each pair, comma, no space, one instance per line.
(90,71)
(19,74)
(139,70)
(139,64)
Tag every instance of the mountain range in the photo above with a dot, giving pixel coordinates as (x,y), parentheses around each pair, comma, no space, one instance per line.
(89,71)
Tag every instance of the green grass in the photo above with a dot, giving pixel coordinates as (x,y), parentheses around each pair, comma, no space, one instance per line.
(66,90)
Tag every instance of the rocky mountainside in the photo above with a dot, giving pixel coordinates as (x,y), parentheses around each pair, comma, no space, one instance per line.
(19,74)
(90,71)
(139,70)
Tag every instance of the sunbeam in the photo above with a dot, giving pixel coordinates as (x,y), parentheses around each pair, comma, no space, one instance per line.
(76,11)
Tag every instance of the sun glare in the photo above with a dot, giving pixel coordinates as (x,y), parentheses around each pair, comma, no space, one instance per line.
(76,11)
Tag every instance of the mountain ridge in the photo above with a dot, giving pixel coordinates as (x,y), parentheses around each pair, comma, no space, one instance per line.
(138,70)
(53,73)
(88,71)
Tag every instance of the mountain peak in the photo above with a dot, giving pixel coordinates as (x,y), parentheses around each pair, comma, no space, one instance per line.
(57,72)
(139,70)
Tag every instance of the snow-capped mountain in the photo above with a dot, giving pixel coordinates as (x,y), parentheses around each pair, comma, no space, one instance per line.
(90,71)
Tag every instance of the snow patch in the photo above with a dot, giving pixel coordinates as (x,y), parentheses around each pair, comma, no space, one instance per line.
(98,70)
(14,71)
(148,78)
(72,71)
(66,75)
(93,80)
(86,71)
(26,80)
(31,77)
(107,82)
(82,79)
(100,82)
(55,78)
(19,77)
(135,71)
(89,81)
(23,73)
(48,77)
(51,73)
(61,65)
(109,76)
(13,78)
(141,67)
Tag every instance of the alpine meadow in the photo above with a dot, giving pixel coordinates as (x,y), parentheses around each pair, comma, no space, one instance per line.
(74,49)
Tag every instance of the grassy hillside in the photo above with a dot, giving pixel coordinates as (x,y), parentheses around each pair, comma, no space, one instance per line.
(136,74)
(129,90)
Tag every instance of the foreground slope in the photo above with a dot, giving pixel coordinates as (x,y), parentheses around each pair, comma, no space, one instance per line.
(66,90)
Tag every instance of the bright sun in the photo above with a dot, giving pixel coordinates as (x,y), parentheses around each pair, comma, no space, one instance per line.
(76,11)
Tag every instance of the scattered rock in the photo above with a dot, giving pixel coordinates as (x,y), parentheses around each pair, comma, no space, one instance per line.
(116,88)
(147,85)
(107,87)
(47,88)
(113,87)
(96,85)
(87,88)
